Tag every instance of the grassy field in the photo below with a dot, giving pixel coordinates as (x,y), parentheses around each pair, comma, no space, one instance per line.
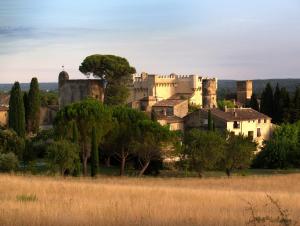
(34,200)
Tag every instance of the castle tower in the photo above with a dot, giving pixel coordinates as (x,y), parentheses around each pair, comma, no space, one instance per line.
(209,92)
(244,91)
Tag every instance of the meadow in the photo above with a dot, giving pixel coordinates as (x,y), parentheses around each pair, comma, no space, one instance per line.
(40,200)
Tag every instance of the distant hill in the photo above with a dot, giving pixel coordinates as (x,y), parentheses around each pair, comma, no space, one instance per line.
(51,86)
(224,86)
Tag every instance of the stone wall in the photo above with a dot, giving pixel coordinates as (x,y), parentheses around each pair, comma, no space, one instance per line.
(244,91)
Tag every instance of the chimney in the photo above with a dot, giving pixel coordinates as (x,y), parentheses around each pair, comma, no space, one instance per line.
(225,108)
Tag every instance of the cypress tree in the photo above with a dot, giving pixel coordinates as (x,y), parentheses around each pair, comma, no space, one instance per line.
(254,103)
(278,108)
(285,105)
(75,134)
(209,121)
(296,102)
(94,155)
(16,112)
(34,105)
(266,105)
(25,100)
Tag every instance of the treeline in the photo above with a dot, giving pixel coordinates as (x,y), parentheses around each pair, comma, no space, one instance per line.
(281,105)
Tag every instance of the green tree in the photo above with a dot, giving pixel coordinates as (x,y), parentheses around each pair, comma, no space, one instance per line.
(10,142)
(296,103)
(149,143)
(203,149)
(75,138)
(86,114)
(63,155)
(8,162)
(285,105)
(238,154)
(94,154)
(278,105)
(266,105)
(225,103)
(16,113)
(209,121)
(115,70)
(126,120)
(25,100)
(254,102)
(34,105)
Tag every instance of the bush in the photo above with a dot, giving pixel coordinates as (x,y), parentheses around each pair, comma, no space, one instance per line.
(8,162)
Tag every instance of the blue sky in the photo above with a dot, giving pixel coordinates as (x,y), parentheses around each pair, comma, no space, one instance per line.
(229,39)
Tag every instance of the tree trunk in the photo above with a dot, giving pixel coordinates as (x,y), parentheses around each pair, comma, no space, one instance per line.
(123,162)
(85,168)
(228,172)
(144,169)
(107,161)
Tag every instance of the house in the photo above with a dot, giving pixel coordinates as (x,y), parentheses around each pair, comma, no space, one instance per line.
(3,116)
(245,121)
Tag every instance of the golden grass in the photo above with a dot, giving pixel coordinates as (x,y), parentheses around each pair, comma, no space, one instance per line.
(32,201)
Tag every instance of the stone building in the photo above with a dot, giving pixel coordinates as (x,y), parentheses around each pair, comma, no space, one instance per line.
(3,116)
(244,91)
(148,89)
(71,91)
(245,121)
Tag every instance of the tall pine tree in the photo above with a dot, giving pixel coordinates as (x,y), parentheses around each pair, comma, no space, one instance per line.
(34,105)
(296,103)
(266,105)
(16,112)
(254,103)
(285,105)
(278,106)
(94,154)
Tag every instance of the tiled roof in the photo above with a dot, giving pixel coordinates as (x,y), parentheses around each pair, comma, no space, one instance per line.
(169,119)
(237,114)
(168,103)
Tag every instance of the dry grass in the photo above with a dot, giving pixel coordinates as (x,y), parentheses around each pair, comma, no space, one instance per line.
(32,201)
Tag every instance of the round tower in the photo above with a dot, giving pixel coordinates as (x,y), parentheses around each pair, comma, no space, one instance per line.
(209,93)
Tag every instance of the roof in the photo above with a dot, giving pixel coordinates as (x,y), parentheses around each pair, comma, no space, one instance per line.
(170,119)
(3,108)
(168,103)
(237,114)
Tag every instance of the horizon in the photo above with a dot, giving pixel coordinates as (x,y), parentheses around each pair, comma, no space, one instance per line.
(227,39)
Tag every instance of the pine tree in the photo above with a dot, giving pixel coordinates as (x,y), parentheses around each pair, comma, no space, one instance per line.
(209,121)
(16,110)
(278,106)
(266,106)
(296,102)
(285,105)
(94,155)
(254,103)
(34,104)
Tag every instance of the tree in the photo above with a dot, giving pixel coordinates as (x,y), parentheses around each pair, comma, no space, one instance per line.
(285,105)
(209,121)
(63,155)
(278,106)
(75,138)
(34,105)
(25,100)
(125,127)
(203,149)
(16,112)
(115,70)
(238,153)
(266,105)
(225,103)
(150,140)
(10,142)
(8,162)
(296,110)
(253,102)
(94,154)
(86,114)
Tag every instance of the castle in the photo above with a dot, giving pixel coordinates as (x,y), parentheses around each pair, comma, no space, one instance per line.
(71,91)
(149,89)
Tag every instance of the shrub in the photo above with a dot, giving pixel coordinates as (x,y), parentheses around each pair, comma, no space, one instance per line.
(8,162)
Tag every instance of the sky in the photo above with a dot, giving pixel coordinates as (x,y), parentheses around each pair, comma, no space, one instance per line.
(228,39)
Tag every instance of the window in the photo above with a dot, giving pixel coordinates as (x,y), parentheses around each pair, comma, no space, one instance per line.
(236,125)
(259,120)
(170,111)
(258,132)
(265,120)
(250,134)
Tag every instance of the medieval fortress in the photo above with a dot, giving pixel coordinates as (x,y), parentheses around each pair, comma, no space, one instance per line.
(149,89)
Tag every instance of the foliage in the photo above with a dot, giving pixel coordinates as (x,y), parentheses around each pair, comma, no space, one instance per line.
(94,154)
(16,113)
(63,155)
(10,142)
(210,121)
(203,149)
(238,154)
(33,108)
(48,98)
(227,103)
(148,143)
(282,150)
(86,115)
(8,162)
(254,102)
(115,70)
(193,107)
(266,105)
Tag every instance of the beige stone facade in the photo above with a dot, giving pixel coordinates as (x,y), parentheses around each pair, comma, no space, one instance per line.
(147,89)
(245,121)
(3,116)
(71,91)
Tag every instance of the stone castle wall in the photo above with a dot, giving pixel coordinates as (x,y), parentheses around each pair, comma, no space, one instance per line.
(244,91)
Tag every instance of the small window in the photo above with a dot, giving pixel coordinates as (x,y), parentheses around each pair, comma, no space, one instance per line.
(258,132)
(265,120)
(236,125)
(259,120)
